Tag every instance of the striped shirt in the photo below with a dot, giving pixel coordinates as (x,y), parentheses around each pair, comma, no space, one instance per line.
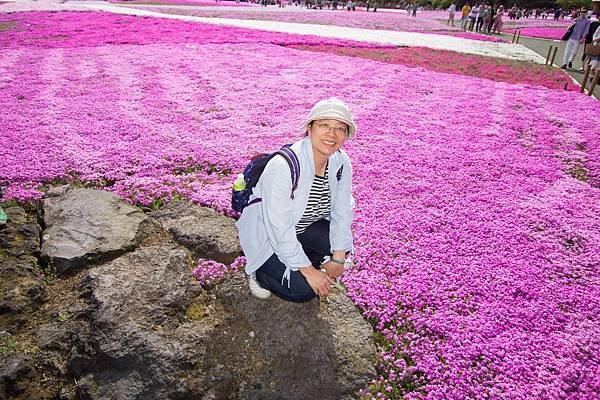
(319,202)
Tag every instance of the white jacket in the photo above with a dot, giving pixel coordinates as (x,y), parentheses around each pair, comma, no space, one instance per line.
(268,227)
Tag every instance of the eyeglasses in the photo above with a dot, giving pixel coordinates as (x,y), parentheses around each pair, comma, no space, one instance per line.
(338,130)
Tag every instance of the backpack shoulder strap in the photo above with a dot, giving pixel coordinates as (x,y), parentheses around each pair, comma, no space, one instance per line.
(292,159)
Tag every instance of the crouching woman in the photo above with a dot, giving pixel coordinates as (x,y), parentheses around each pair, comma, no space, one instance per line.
(296,243)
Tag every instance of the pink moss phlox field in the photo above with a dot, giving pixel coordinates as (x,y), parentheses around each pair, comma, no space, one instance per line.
(476,226)
(458,63)
(357,19)
(51,30)
(542,33)
(538,23)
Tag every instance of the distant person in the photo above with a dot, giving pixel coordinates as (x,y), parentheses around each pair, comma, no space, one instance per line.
(451,11)
(473,16)
(414,9)
(595,60)
(375,4)
(581,27)
(498,21)
(492,19)
(479,20)
(589,39)
(557,12)
(465,11)
(368,5)
(487,19)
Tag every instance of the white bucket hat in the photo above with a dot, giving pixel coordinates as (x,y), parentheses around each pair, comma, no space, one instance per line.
(331,108)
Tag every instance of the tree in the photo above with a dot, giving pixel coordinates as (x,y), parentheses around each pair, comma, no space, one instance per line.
(571,4)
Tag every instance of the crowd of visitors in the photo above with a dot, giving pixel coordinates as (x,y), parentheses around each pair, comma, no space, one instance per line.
(479,18)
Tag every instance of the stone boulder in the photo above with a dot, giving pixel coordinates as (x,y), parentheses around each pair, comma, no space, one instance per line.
(205,232)
(22,286)
(140,344)
(86,226)
(133,323)
(154,333)
(314,350)
(18,378)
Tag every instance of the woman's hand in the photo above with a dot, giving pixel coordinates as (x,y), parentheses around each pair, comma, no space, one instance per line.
(318,280)
(334,270)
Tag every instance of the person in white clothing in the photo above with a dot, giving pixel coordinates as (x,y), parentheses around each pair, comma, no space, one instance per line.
(577,37)
(296,244)
(473,17)
(451,12)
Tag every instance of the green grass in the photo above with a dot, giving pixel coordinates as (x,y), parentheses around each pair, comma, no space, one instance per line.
(9,344)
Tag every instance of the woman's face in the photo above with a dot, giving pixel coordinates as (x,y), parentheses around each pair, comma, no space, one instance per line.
(327,136)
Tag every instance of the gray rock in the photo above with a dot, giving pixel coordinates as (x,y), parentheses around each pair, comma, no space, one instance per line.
(301,350)
(141,344)
(144,343)
(20,237)
(85,226)
(57,191)
(19,379)
(14,367)
(22,287)
(202,230)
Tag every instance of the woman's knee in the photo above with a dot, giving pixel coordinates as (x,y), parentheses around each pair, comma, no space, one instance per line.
(299,289)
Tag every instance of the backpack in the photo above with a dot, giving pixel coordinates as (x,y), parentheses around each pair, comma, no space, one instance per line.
(253,171)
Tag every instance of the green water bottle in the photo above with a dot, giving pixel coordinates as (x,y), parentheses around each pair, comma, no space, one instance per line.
(239,183)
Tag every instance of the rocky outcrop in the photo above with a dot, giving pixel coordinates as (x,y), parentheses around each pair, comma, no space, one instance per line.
(19,379)
(22,287)
(205,232)
(314,350)
(137,326)
(140,343)
(86,226)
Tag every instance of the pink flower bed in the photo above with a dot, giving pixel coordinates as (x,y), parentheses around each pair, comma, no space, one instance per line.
(220,3)
(368,20)
(60,31)
(476,245)
(542,33)
(537,23)
(457,63)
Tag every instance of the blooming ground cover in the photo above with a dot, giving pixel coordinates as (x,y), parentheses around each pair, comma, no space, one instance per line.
(538,23)
(476,229)
(358,19)
(542,33)
(457,63)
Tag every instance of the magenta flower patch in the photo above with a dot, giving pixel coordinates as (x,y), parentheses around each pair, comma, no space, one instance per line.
(476,228)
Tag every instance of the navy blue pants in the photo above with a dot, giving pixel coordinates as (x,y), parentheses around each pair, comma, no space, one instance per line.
(315,242)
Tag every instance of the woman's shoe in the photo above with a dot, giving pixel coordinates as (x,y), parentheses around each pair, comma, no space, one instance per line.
(256,289)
